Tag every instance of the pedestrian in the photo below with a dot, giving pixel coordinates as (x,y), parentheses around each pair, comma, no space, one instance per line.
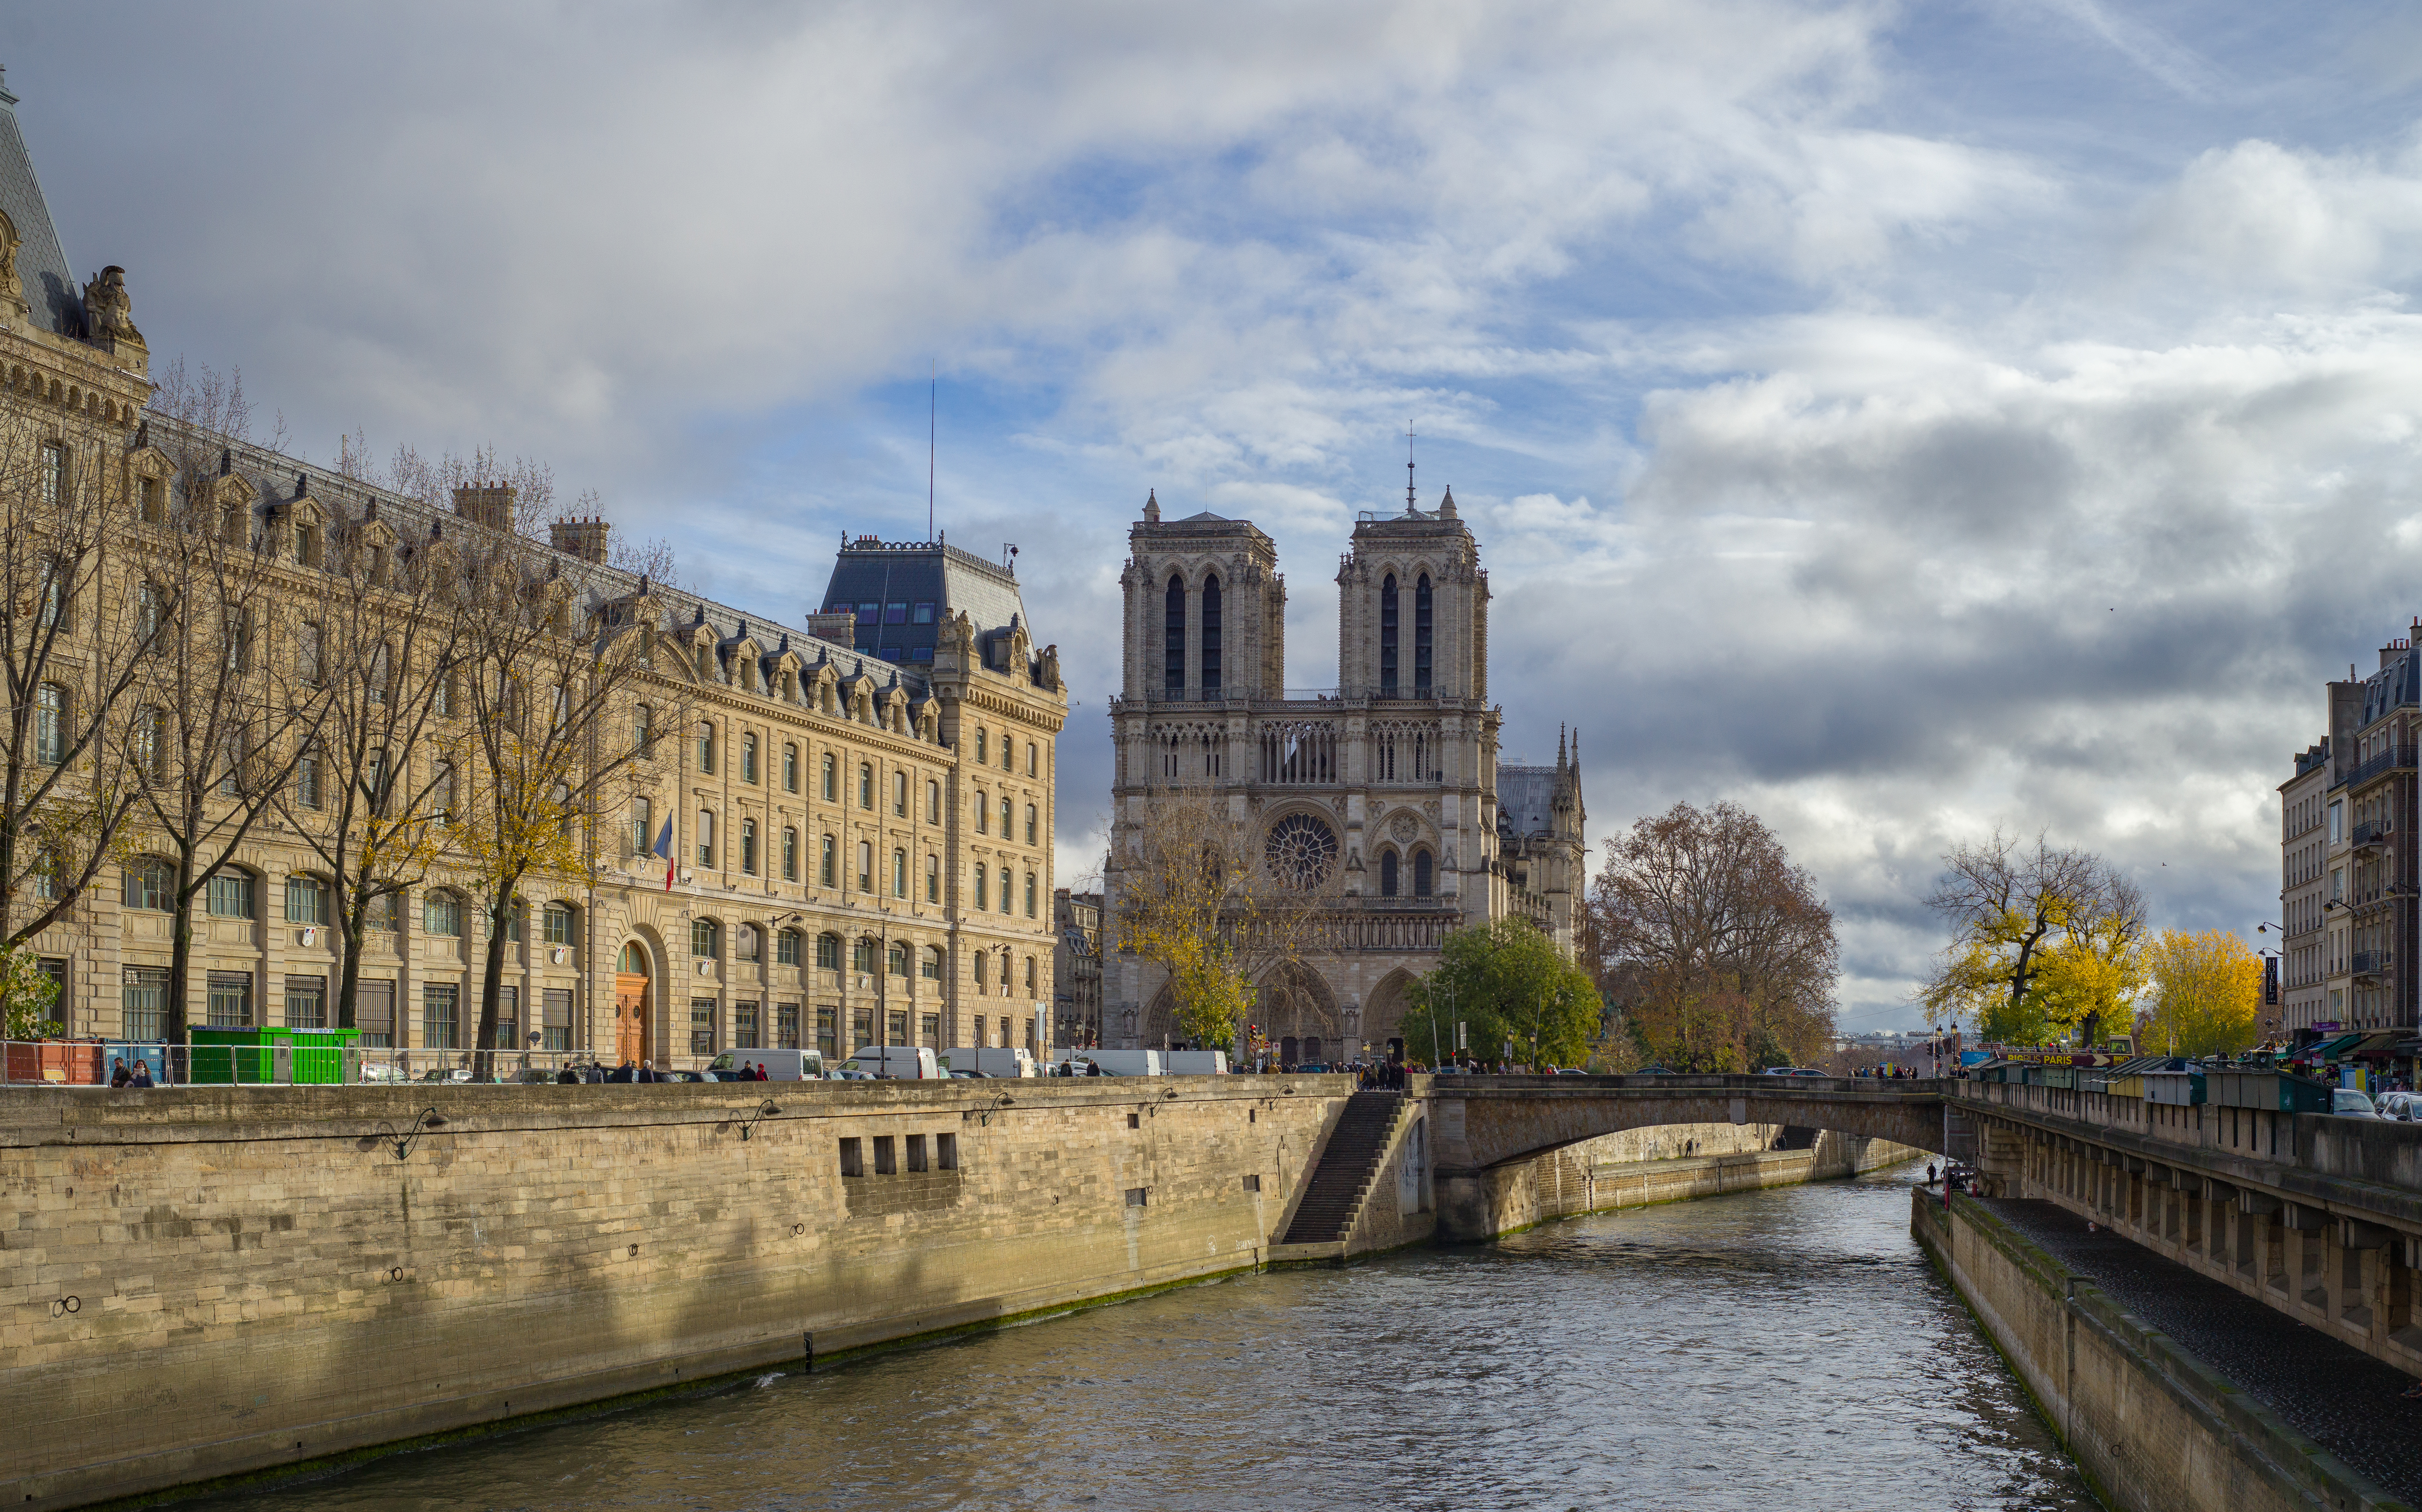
(760,1072)
(119,1075)
(1929,1172)
(142,1077)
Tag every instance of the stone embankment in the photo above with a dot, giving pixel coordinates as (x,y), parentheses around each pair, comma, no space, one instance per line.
(2139,1400)
(214,1283)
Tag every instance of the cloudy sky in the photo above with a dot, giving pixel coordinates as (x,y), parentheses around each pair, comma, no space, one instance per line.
(1900,418)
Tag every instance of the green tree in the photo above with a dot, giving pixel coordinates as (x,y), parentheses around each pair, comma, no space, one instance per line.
(1508,983)
(27,996)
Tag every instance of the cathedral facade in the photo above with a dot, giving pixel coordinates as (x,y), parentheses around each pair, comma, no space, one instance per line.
(1392,777)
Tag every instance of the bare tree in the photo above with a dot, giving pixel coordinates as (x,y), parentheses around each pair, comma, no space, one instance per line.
(549,686)
(217,721)
(1716,947)
(374,794)
(71,652)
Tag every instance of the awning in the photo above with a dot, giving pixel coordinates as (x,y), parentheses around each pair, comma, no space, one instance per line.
(2330,1049)
(2375,1047)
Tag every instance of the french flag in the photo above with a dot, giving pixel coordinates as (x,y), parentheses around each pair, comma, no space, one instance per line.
(665,848)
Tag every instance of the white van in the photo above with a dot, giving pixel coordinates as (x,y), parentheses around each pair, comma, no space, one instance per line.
(781,1065)
(992,1063)
(1116,1062)
(1195,1063)
(893,1062)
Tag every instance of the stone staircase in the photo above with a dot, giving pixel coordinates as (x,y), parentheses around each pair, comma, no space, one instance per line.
(1349,1165)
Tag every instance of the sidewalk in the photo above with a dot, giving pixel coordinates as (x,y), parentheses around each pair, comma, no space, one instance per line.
(2333,1393)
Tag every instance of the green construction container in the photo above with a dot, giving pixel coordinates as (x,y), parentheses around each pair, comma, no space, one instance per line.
(276,1056)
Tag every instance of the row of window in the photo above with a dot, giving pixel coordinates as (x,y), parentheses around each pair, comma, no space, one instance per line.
(750,864)
(828,783)
(706,939)
(151,884)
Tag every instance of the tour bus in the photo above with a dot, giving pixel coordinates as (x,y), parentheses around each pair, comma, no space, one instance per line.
(781,1065)
(893,1062)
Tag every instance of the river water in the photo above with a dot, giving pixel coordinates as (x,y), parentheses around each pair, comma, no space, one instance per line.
(1768,1351)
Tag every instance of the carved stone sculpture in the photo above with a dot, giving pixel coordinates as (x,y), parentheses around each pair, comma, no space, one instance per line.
(108,310)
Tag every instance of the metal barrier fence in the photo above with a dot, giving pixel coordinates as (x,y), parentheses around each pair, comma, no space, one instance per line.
(103,1063)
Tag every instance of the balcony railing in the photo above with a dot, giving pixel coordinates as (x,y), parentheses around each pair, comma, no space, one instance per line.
(2371,963)
(2387,761)
(2372,832)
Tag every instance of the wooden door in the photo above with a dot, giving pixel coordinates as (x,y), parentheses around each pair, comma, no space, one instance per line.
(630,1017)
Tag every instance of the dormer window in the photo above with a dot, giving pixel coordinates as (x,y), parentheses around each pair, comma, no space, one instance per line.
(306,544)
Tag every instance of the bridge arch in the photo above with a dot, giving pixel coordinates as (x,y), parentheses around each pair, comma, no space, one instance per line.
(1486,1131)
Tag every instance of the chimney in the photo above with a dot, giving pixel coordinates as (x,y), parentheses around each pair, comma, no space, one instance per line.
(583,539)
(487,505)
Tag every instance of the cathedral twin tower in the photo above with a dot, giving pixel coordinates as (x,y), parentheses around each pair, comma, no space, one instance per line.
(1392,777)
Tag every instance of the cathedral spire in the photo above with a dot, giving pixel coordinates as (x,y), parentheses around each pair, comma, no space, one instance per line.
(1560,747)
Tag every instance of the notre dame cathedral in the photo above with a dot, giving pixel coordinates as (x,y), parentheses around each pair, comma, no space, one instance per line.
(1392,777)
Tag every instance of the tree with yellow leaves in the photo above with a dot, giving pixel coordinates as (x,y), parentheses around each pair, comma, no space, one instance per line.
(1192,896)
(2041,939)
(2206,994)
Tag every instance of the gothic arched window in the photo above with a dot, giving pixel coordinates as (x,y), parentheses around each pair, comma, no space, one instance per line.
(1422,634)
(1387,874)
(1173,638)
(1211,637)
(1421,873)
(1387,636)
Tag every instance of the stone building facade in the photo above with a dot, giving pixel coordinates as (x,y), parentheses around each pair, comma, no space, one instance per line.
(1394,775)
(862,807)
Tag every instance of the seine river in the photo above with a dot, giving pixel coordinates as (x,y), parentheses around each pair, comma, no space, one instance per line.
(1768,1351)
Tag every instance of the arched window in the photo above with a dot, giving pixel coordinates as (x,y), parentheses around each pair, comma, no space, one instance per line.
(1387,636)
(1387,874)
(828,952)
(705,940)
(896,959)
(933,802)
(1211,637)
(861,957)
(1173,638)
(748,942)
(148,883)
(634,959)
(933,878)
(558,924)
(1421,873)
(1422,634)
(929,966)
(787,946)
(1006,809)
(441,912)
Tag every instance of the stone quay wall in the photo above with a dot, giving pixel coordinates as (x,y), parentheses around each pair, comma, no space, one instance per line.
(2155,1428)
(202,1282)
(1639,1167)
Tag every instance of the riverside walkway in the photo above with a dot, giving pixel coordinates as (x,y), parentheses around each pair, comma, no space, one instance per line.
(2333,1393)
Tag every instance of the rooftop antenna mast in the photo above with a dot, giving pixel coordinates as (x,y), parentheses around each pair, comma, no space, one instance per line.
(1408,467)
(933,436)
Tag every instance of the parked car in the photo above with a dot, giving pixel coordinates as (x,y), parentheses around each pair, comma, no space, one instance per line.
(2345,1102)
(2398,1106)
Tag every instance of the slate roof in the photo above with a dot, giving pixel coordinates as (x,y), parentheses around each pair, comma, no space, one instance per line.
(1525,799)
(51,286)
(2395,686)
(903,580)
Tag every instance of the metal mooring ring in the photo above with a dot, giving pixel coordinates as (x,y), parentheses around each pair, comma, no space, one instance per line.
(66,1305)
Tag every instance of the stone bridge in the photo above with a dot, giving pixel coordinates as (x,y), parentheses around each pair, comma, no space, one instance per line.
(1484,1129)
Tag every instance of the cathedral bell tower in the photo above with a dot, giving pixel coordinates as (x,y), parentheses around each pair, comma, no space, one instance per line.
(1412,608)
(1206,611)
